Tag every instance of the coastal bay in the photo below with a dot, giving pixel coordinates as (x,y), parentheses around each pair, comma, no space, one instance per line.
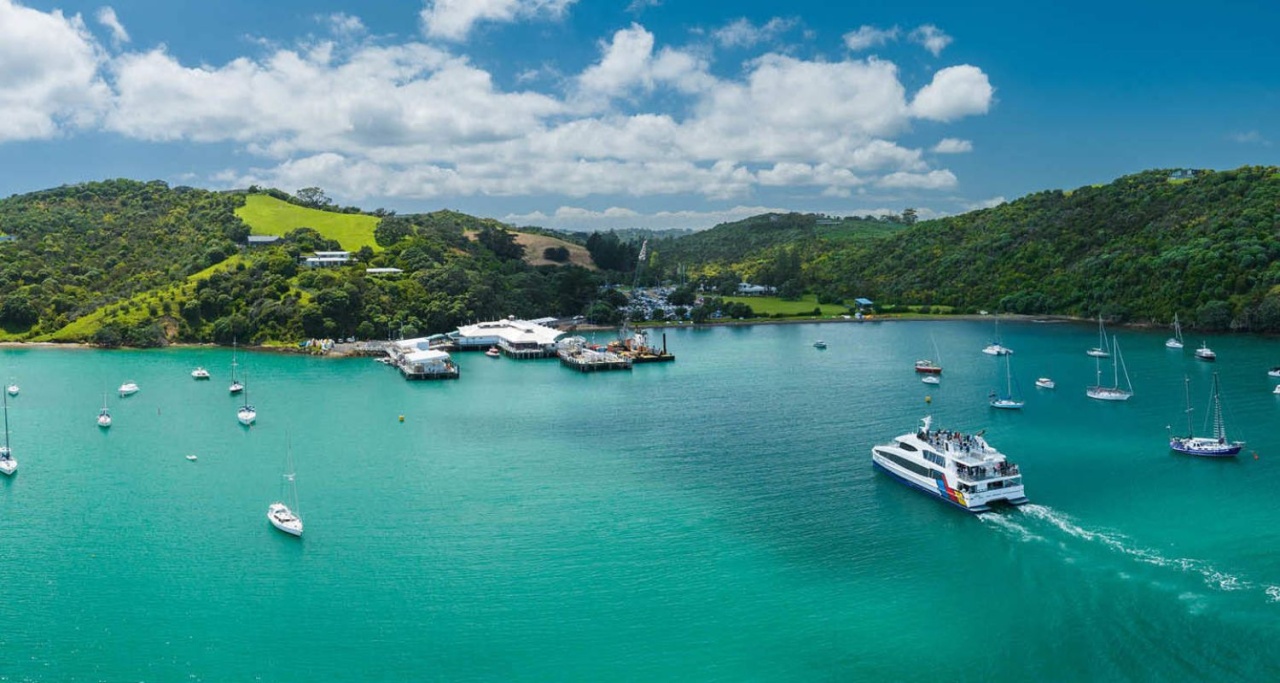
(713,518)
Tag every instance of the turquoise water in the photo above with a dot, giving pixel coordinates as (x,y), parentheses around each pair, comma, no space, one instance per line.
(716,518)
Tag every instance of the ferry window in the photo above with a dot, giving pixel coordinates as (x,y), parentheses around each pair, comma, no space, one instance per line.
(907,447)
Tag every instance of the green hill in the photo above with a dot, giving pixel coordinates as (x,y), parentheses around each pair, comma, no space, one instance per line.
(1138,249)
(267,215)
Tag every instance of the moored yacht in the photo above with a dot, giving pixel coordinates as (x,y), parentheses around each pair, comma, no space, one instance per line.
(1206,353)
(129,388)
(8,465)
(1045,383)
(961,469)
(104,415)
(927,366)
(199,373)
(1175,342)
(493,352)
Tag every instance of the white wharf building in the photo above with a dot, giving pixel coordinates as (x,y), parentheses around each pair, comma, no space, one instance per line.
(514,338)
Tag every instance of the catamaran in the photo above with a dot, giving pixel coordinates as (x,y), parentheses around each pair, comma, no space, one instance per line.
(8,465)
(104,415)
(1101,350)
(282,515)
(961,469)
(1216,446)
(246,413)
(1175,342)
(1114,392)
(995,348)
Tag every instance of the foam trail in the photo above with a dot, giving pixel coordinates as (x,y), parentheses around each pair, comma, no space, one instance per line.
(1273,592)
(1008,525)
(1211,576)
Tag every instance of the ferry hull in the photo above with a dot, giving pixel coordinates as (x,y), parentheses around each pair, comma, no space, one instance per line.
(936,493)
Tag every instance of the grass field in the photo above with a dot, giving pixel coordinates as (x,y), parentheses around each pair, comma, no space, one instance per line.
(770,305)
(534,245)
(267,215)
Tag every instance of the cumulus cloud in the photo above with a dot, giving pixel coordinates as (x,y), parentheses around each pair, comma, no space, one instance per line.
(343,25)
(638,6)
(107,17)
(576,218)
(952,146)
(403,119)
(940,179)
(867,37)
(931,37)
(955,92)
(454,19)
(743,33)
(49,73)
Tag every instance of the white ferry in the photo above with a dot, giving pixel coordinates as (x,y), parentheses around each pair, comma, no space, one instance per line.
(962,469)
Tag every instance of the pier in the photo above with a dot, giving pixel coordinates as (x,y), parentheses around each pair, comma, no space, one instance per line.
(584,359)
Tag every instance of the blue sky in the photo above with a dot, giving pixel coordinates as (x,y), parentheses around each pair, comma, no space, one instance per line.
(586,114)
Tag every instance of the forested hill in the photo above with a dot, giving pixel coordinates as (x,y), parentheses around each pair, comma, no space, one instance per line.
(76,248)
(143,264)
(757,236)
(1141,248)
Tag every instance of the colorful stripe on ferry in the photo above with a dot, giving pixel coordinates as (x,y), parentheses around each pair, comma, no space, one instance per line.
(950,493)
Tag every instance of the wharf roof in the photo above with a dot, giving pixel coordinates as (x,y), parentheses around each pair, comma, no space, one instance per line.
(512,331)
(426,356)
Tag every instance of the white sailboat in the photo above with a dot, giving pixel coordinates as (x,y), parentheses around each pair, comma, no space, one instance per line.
(104,415)
(1114,392)
(1006,402)
(246,413)
(1216,446)
(995,348)
(236,385)
(283,514)
(1175,342)
(1101,350)
(8,465)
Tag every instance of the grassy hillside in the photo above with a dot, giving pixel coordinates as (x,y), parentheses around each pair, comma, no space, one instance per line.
(535,244)
(267,215)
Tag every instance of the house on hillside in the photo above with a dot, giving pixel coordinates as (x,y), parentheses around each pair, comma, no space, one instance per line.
(748,289)
(261,240)
(325,259)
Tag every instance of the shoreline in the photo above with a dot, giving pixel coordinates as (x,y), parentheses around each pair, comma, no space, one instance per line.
(340,351)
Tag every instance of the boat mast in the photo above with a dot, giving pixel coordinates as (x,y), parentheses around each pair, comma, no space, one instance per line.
(1187,386)
(1219,430)
(6,424)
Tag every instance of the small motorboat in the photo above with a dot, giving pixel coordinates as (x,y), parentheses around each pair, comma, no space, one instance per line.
(1206,353)
(1274,372)
(819,344)
(191,457)
(199,373)
(12,389)
(493,352)
(1045,383)
(931,379)
(129,388)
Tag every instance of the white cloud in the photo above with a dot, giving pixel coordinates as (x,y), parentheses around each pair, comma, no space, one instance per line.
(985,204)
(381,118)
(454,19)
(49,73)
(742,33)
(955,91)
(931,37)
(575,218)
(952,146)
(107,17)
(638,6)
(868,37)
(343,25)
(1252,137)
(941,179)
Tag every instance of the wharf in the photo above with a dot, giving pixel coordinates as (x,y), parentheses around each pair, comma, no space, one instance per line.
(588,360)
(413,371)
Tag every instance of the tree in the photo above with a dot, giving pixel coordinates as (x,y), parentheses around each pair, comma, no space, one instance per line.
(909,216)
(392,229)
(557,254)
(313,197)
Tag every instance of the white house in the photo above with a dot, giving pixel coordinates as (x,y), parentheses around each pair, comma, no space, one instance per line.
(328,258)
